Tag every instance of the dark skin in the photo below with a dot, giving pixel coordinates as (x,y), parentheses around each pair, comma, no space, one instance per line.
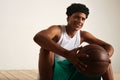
(48,38)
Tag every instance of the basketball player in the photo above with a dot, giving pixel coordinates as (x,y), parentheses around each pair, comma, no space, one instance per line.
(59,45)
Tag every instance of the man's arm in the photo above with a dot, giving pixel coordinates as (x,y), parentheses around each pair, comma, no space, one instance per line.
(89,38)
(44,39)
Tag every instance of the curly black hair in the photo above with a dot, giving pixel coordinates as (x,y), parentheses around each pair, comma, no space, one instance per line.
(77,7)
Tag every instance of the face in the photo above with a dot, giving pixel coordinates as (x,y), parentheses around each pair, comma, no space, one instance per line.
(76,20)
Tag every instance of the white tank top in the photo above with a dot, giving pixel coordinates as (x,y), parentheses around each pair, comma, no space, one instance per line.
(67,42)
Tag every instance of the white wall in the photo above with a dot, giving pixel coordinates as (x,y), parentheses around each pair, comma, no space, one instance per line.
(20,20)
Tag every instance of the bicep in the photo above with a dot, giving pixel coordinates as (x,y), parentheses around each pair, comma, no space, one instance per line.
(89,38)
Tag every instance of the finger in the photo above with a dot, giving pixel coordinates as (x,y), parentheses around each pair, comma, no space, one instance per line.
(80,68)
(83,55)
(82,64)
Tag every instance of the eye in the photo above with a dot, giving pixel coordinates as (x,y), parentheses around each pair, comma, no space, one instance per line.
(79,18)
(83,19)
(76,17)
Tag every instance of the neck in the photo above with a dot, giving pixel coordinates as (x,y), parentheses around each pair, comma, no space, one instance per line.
(70,31)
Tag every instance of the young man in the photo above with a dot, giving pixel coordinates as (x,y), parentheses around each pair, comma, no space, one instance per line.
(59,45)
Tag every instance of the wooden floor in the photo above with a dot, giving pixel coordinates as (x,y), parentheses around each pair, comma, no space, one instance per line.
(28,75)
(18,74)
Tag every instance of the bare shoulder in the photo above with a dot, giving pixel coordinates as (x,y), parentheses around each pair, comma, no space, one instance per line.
(88,37)
(54,28)
(85,34)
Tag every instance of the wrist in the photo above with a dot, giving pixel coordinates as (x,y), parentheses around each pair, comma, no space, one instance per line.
(70,54)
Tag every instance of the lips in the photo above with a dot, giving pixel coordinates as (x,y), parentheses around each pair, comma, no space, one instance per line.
(78,25)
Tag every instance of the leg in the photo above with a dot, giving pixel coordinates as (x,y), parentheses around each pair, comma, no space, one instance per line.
(45,65)
(108,75)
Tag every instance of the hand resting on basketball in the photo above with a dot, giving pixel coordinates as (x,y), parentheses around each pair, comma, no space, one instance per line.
(98,61)
(75,60)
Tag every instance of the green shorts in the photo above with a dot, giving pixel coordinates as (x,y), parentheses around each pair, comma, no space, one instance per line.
(64,70)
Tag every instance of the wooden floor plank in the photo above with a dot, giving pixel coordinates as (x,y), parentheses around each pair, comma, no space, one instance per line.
(19,75)
(29,75)
(117,75)
(3,77)
(9,76)
(32,74)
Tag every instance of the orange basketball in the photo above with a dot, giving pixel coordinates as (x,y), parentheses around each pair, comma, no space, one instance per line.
(98,60)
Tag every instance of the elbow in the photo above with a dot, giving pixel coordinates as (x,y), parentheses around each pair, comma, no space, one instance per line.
(37,38)
(111,50)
